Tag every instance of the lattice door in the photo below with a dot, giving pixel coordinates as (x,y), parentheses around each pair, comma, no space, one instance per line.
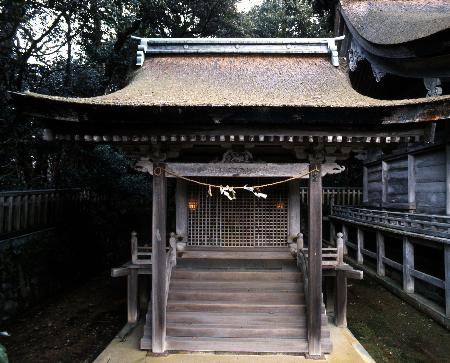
(247,221)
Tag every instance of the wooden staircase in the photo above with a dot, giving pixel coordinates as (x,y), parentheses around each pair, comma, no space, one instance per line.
(238,310)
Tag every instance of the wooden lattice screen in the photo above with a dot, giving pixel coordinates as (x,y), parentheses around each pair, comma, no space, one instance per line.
(247,221)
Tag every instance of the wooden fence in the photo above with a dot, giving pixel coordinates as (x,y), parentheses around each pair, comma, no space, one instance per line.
(432,231)
(27,211)
(336,195)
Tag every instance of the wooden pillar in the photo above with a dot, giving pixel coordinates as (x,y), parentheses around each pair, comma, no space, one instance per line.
(384,182)
(340,308)
(447,153)
(408,265)
(360,245)
(329,293)
(181,201)
(332,233)
(315,261)
(365,185)
(159,258)
(345,237)
(411,182)
(380,254)
(294,208)
(447,279)
(132,296)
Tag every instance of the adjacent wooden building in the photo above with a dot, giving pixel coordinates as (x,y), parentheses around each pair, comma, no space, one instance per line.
(215,116)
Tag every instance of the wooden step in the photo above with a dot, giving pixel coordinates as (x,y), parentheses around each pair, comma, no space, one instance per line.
(265,297)
(238,255)
(180,284)
(232,307)
(221,275)
(194,317)
(205,344)
(247,331)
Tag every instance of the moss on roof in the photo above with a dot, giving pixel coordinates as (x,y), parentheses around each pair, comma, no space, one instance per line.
(237,80)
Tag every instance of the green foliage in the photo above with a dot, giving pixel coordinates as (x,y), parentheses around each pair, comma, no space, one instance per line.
(286,18)
(83,48)
(3,355)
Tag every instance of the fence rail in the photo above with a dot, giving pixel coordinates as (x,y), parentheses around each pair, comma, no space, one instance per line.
(24,211)
(336,195)
(431,231)
(424,224)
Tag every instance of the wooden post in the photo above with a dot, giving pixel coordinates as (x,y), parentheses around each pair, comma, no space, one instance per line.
(340,249)
(330,296)
(340,308)
(365,185)
(384,181)
(294,208)
(134,247)
(411,182)
(345,237)
(447,153)
(380,254)
(447,279)
(315,261)
(332,233)
(159,259)
(132,296)
(360,245)
(408,265)
(181,202)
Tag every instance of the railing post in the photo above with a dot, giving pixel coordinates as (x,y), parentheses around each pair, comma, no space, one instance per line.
(360,245)
(315,261)
(408,265)
(340,302)
(340,248)
(134,247)
(159,258)
(380,254)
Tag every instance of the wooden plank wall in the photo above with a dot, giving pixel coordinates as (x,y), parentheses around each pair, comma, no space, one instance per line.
(430,169)
(397,181)
(374,184)
(415,181)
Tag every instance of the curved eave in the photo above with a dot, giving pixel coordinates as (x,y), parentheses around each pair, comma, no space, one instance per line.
(395,22)
(55,109)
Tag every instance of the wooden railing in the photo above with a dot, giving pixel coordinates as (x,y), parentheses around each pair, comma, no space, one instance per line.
(423,224)
(336,195)
(24,211)
(431,231)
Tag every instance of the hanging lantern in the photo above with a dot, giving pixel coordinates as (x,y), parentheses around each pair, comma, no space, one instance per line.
(280,205)
(192,204)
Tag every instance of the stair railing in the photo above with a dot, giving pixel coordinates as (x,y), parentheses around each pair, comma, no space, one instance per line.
(302,264)
(171,261)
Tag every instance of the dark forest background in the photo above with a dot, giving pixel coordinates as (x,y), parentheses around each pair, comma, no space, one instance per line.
(83,48)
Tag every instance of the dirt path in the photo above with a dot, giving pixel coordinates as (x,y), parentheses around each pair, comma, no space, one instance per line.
(74,327)
(391,330)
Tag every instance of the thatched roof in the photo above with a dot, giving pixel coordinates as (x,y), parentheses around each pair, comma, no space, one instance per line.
(397,21)
(236,80)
